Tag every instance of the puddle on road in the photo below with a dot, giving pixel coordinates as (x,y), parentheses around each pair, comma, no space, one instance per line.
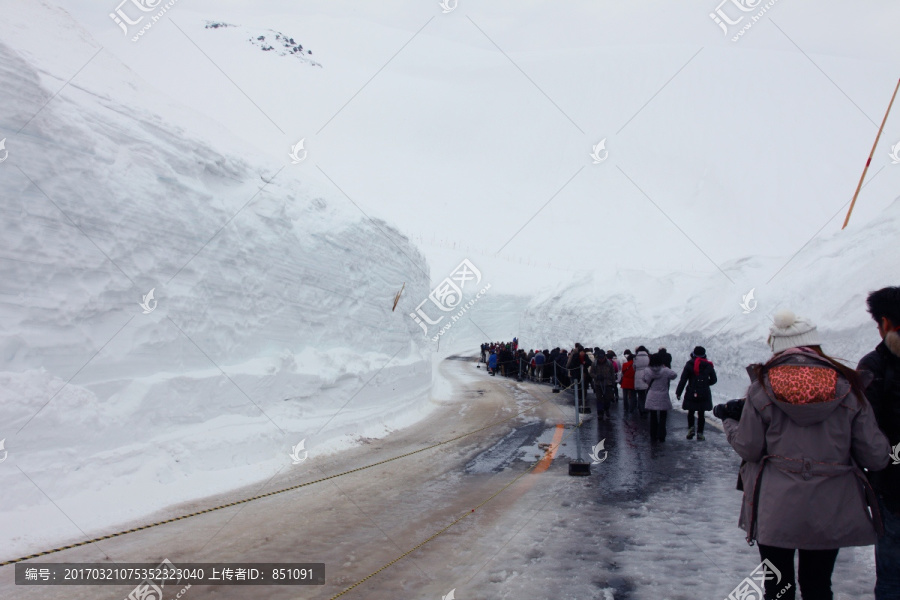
(524,444)
(515,445)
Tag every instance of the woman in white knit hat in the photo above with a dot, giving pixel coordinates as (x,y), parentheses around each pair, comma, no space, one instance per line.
(804,432)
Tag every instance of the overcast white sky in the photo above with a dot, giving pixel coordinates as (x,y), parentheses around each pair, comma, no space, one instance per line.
(471,131)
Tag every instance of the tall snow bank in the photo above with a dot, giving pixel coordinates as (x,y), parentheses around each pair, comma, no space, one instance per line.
(271,318)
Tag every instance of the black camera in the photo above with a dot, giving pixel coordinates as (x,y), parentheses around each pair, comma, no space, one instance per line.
(730,410)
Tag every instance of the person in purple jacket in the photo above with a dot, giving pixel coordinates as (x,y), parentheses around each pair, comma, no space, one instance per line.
(804,432)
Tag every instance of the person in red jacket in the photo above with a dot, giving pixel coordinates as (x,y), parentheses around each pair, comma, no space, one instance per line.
(630,400)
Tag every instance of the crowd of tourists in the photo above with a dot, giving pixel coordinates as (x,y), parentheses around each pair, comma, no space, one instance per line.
(819,440)
(644,379)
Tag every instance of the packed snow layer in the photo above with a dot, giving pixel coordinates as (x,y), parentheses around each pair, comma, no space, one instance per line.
(271,318)
(826,281)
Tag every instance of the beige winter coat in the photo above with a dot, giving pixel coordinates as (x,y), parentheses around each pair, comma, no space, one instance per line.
(805,435)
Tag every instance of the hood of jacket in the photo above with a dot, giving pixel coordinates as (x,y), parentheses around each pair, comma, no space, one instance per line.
(802,385)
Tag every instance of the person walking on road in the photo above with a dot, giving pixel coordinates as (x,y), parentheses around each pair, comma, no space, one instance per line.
(641,362)
(884,393)
(697,377)
(804,432)
(618,369)
(658,376)
(537,367)
(666,357)
(629,401)
(603,375)
(492,363)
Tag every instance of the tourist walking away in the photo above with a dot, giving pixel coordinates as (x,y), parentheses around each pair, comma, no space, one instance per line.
(629,402)
(641,362)
(562,375)
(537,365)
(696,378)
(615,363)
(603,376)
(883,392)
(492,363)
(804,432)
(667,358)
(658,376)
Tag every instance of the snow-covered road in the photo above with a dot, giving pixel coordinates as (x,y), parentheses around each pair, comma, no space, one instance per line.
(650,522)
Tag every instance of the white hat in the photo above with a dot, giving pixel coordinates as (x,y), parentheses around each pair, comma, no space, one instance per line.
(791,331)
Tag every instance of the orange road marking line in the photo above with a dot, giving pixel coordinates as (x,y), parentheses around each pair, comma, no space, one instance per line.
(544,463)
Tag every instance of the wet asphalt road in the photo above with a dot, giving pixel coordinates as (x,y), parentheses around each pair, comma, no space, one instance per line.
(635,467)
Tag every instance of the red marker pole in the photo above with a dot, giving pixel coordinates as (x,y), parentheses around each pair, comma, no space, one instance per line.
(868,162)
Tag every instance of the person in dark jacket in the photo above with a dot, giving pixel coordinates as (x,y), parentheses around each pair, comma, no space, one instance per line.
(561,375)
(804,432)
(697,377)
(506,360)
(618,369)
(580,365)
(603,376)
(884,394)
